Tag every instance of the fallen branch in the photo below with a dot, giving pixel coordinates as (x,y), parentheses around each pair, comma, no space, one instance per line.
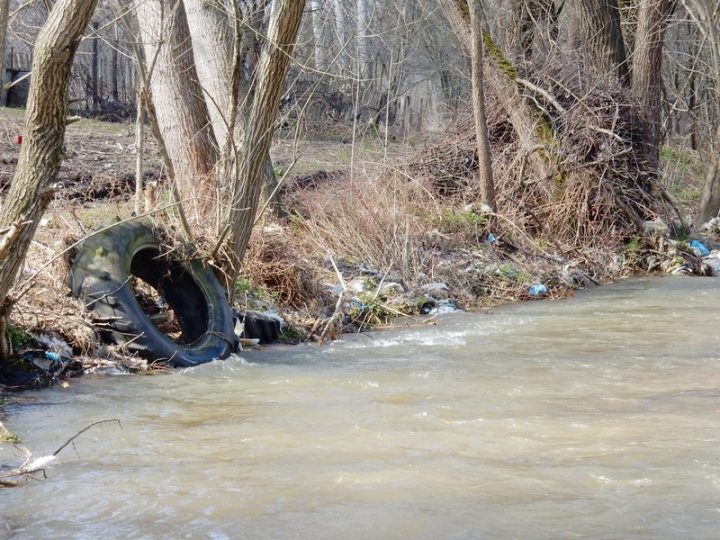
(31,466)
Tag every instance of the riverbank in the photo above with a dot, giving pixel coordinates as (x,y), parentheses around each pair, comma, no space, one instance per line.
(558,410)
(391,235)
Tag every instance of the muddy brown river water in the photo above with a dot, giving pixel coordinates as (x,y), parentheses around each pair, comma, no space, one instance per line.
(595,417)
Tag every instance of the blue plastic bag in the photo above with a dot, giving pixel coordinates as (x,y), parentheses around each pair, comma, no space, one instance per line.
(537,290)
(700,247)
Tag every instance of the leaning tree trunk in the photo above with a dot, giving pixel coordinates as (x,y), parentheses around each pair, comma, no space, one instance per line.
(41,151)
(532,130)
(177,96)
(597,35)
(282,32)
(647,68)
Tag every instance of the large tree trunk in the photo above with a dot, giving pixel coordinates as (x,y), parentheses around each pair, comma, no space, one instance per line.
(226,41)
(212,28)
(485,174)
(259,124)
(41,151)
(597,35)
(177,97)
(647,67)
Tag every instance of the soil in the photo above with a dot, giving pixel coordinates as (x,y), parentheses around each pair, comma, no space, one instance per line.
(99,158)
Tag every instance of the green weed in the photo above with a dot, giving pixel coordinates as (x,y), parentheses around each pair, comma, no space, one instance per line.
(632,250)
(454,222)
(291,335)
(18,337)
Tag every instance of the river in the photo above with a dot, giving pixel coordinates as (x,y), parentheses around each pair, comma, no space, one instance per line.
(597,416)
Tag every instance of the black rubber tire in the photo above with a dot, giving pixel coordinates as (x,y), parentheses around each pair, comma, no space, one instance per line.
(260,326)
(100,273)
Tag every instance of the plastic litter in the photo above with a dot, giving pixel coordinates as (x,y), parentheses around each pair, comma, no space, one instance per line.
(537,290)
(491,239)
(50,355)
(700,248)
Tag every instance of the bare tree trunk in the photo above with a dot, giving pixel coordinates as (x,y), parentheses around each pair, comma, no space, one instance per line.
(597,35)
(532,130)
(485,174)
(212,28)
(139,147)
(177,96)
(530,21)
(710,200)
(95,69)
(114,67)
(4,12)
(226,38)
(41,151)
(282,32)
(341,32)
(362,32)
(704,16)
(319,46)
(647,67)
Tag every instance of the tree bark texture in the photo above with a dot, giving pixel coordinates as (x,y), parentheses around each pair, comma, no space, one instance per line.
(485,173)
(41,151)
(340,33)
(95,69)
(319,45)
(226,42)
(362,36)
(597,35)
(282,32)
(212,28)
(647,67)
(114,86)
(178,100)
(4,12)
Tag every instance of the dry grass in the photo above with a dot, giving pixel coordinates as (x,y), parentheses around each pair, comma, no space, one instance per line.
(44,304)
(380,223)
(274,264)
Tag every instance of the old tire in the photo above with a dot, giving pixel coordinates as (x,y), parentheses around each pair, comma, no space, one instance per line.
(101,271)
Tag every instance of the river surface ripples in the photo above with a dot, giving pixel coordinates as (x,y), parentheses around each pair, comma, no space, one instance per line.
(597,416)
